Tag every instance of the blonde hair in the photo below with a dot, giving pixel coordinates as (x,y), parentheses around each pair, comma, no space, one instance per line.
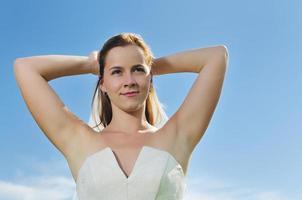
(154,111)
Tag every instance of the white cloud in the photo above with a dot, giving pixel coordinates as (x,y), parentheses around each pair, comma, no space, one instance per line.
(62,188)
(201,188)
(59,186)
(37,188)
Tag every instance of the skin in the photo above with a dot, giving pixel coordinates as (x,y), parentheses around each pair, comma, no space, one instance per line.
(76,140)
(128,112)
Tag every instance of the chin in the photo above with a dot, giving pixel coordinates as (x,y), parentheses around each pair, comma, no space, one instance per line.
(132,108)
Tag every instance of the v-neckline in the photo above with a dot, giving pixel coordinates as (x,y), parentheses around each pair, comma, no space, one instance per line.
(137,162)
(134,165)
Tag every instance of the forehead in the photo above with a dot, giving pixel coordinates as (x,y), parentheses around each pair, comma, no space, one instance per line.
(130,54)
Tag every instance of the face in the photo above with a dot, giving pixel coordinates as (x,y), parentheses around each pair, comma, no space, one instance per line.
(126,71)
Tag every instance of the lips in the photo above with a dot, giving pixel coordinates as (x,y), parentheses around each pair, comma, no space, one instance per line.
(127,93)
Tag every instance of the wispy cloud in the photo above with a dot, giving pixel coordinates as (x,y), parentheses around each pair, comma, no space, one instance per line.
(57,185)
(201,188)
(39,179)
(63,188)
(37,188)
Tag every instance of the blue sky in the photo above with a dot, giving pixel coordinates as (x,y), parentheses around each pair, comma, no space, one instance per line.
(251,147)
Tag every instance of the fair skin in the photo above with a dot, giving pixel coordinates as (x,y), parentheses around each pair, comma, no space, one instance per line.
(125,135)
(127,112)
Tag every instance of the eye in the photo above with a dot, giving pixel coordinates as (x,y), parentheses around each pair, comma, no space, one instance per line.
(115,71)
(140,69)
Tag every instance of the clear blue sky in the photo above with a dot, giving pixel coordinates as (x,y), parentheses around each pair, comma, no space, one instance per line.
(252,147)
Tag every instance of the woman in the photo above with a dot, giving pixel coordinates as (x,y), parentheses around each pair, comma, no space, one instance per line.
(131,157)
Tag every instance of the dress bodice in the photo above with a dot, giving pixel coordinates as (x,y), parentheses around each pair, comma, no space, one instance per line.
(156,175)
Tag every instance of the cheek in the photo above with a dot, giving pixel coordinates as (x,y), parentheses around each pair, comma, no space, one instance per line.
(115,86)
(112,85)
(144,85)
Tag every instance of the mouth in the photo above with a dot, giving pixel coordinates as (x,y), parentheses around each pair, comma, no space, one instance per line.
(130,94)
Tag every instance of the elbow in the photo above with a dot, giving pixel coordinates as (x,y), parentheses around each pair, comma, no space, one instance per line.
(19,65)
(225,52)
(18,62)
(223,55)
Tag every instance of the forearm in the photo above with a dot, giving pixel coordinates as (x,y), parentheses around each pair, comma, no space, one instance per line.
(54,66)
(188,61)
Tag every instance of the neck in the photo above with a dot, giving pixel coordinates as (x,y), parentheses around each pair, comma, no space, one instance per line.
(128,122)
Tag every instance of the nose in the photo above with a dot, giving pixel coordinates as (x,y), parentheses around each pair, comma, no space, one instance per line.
(129,80)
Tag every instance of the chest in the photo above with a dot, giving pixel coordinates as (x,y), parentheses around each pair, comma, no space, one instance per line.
(125,152)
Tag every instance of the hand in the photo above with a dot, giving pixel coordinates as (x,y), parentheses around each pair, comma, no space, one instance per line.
(94,63)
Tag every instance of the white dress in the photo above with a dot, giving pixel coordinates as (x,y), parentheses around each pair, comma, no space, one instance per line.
(156,175)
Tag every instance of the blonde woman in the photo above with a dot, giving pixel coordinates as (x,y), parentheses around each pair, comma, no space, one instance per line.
(132,152)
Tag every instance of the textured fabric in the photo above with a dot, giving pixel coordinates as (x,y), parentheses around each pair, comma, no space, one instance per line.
(156,175)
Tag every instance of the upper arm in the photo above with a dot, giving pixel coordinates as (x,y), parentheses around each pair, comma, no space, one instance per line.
(50,113)
(193,116)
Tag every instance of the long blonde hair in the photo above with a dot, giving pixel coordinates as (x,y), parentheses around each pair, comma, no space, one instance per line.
(154,111)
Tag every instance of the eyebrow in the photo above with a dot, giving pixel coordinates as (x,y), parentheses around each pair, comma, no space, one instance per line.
(118,67)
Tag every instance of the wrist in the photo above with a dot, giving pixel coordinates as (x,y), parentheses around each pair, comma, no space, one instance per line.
(93,63)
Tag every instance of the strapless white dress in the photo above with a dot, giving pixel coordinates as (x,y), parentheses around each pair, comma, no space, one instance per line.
(156,175)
